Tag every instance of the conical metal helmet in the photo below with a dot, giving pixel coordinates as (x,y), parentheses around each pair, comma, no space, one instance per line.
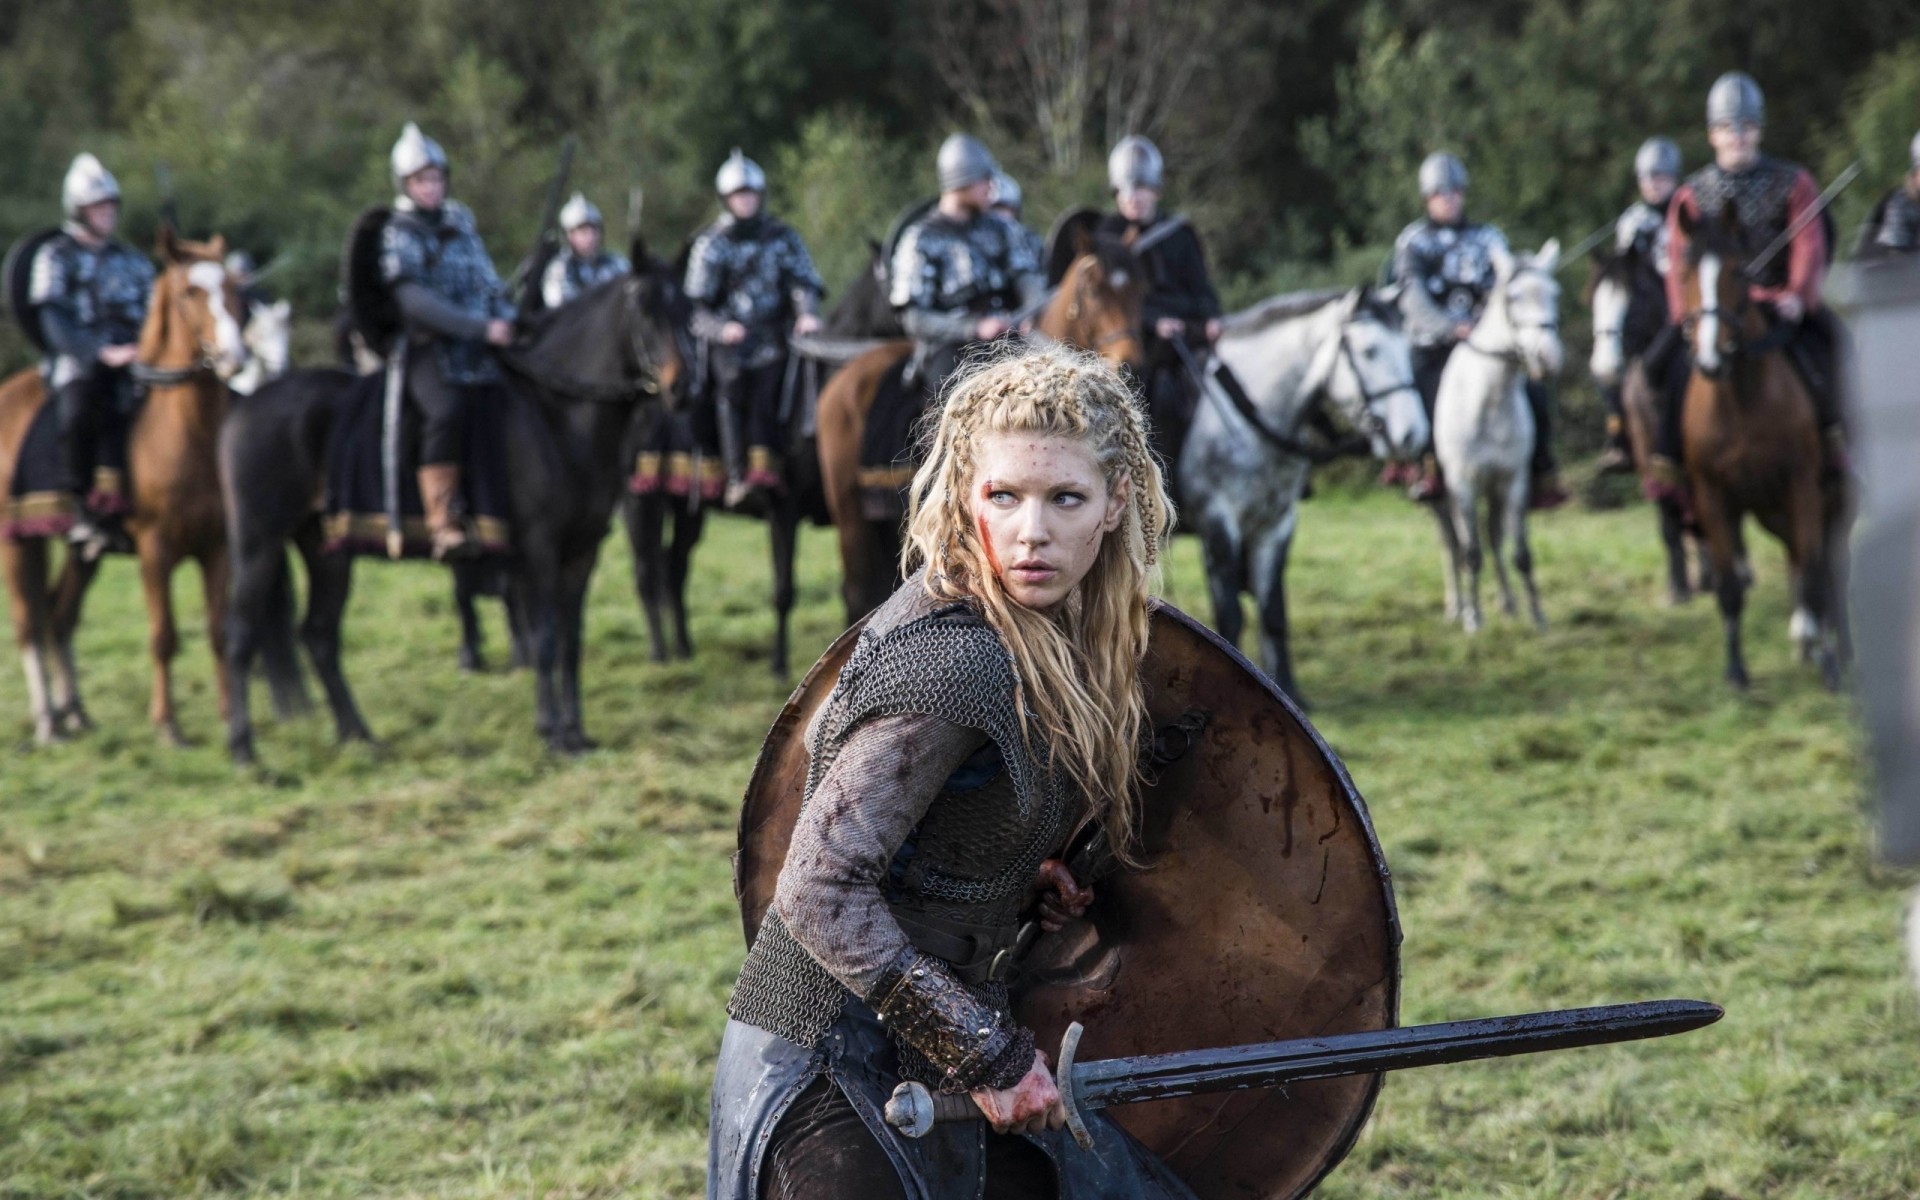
(579,211)
(1442,172)
(414,153)
(962,162)
(739,174)
(87,182)
(1006,190)
(1657,156)
(1735,99)
(1134,163)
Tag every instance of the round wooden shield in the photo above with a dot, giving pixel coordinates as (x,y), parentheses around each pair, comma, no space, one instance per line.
(1263,911)
(16,281)
(369,303)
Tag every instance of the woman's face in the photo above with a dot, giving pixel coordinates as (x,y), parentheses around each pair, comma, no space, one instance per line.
(1042,508)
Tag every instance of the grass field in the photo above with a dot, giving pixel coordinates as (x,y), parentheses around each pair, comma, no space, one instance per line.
(456,967)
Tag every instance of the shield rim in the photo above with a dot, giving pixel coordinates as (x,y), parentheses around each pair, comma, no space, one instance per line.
(14,278)
(788,724)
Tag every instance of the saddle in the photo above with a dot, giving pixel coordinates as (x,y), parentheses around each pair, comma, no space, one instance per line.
(38,504)
(886,444)
(354,513)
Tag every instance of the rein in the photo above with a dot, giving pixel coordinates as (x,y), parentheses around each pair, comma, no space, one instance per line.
(1355,444)
(153,377)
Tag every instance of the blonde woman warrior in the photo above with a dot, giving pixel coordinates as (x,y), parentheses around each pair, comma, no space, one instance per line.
(993,703)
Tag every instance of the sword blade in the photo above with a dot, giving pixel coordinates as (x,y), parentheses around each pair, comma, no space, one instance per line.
(1273,1064)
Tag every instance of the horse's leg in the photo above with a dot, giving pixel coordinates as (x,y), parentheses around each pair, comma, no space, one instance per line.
(254,581)
(1516,503)
(1466,532)
(645,517)
(1449,557)
(1722,527)
(785,526)
(540,596)
(1812,577)
(329,583)
(157,561)
(1269,579)
(216,583)
(466,585)
(571,629)
(69,594)
(689,523)
(1673,537)
(1497,525)
(26,569)
(1226,574)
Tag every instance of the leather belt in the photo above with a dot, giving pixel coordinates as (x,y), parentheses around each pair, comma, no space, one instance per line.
(977,953)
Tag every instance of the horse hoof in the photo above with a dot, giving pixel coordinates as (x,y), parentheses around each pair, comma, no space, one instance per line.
(241,752)
(1737,680)
(47,735)
(172,738)
(74,722)
(471,663)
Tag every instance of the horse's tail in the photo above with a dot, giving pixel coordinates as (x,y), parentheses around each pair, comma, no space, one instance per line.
(279,652)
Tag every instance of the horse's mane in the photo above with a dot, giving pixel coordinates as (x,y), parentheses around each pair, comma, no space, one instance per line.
(1275,309)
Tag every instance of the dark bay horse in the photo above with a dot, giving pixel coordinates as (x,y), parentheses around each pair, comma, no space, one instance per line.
(662,561)
(1753,446)
(1628,297)
(1096,306)
(576,376)
(190,345)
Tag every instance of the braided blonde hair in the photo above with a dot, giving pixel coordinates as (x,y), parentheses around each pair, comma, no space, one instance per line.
(1078,666)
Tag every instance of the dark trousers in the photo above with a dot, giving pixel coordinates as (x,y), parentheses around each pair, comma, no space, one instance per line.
(1171,398)
(1430,361)
(750,399)
(822,1150)
(80,407)
(443,408)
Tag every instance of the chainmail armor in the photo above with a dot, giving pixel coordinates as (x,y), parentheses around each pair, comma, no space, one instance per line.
(973,857)
(445,255)
(569,275)
(102,291)
(1759,195)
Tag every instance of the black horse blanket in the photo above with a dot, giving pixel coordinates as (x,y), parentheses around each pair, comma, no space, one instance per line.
(38,503)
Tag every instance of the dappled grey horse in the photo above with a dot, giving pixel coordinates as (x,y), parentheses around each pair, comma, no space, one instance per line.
(1245,463)
(1483,431)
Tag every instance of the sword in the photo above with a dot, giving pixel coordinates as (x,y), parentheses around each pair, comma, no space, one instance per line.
(390,413)
(914,1110)
(1792,231)
(1585,246)
(525,284)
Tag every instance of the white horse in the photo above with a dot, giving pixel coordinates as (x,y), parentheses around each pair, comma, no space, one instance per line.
(268,338)
(1241,473)
(1483,430)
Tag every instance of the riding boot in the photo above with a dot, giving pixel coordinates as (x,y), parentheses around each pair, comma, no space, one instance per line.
(439,489)
(1617,458)
(1427,486)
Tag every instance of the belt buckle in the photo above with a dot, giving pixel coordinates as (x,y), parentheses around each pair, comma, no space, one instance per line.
(1001,966)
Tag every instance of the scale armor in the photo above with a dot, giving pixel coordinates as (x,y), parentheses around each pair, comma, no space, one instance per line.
(1453,268)
(87,182)
(1643,228)
(446,256)
(103,292)
(972,858)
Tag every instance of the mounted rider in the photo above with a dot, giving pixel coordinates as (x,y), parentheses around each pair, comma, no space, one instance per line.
(1894,227)
(960,273)
(751,280)
(1769,195)
(1641,231)
(585,263)
(1447,264)
(1008,204)
(1180,305)
(89,291)
(455,310)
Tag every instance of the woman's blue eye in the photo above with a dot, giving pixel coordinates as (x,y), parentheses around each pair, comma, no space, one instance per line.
(1070,499)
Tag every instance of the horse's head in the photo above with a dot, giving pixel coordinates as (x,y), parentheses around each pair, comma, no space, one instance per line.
(1528,300)
(1366,373)
(1097,306)
(196,313)
(1713,286)
(1609,289)
(656,319)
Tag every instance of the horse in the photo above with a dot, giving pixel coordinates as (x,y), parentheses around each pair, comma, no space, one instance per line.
(189,347)
(1096,306)
(1483,431)
(575,377)
(268,335)
(1752,446)
(1628,297)
(1242,471)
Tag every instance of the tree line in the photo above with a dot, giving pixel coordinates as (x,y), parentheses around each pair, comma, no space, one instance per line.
(1291,131)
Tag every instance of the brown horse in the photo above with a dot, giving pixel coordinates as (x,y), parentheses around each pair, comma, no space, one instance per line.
(1096,306)
(1752,446)
(191,344)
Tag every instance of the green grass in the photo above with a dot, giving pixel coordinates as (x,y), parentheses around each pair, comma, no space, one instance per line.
(456,967)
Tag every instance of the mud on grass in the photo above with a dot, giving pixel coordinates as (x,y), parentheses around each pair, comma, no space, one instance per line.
(455,966)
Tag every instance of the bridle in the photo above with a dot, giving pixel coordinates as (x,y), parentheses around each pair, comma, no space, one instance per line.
(206,359)
(1766,343)
(1124,332)
(1513,354)
(1370,422)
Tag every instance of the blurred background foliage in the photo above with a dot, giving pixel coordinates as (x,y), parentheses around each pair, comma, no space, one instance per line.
(1291,132)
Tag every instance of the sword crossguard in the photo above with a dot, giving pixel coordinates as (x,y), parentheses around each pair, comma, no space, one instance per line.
(914,1109)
